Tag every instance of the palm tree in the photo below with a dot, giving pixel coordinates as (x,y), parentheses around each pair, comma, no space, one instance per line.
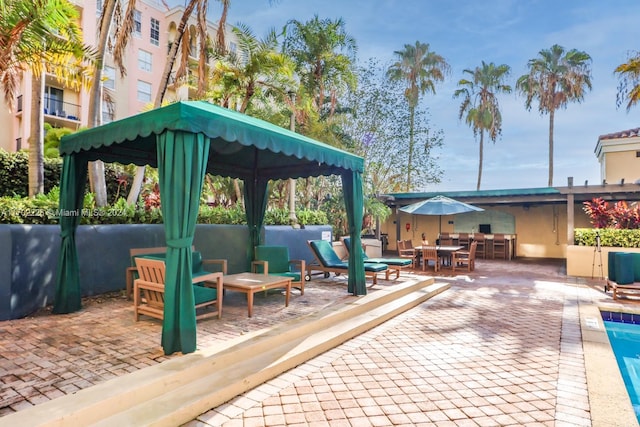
(555,78)
(480,103)
(629,75)
(324,54)
(259,67)
(40,36)
(420,68)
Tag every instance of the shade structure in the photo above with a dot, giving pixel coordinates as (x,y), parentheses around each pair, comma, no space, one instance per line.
(184,141)
(439,205)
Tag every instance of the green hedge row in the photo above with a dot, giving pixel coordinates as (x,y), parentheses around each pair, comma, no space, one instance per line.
(608,237)
(14,175)
(43,209)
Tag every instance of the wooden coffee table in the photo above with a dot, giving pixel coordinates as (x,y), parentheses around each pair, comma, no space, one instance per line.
(250,283)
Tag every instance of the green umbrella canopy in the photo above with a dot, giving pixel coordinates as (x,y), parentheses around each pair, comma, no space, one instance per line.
(241,146)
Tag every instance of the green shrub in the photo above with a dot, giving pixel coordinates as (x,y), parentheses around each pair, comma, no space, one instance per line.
(608,237)
(43,209)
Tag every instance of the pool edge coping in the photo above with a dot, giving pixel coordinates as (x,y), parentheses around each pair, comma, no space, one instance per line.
(608,398)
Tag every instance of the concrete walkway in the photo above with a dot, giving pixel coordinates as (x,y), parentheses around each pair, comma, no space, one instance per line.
(503,346)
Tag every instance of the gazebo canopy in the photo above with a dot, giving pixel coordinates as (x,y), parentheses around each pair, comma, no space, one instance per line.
(241,146)
(184,141)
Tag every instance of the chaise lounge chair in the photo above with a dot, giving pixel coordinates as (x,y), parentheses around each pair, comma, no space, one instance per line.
(400,263)
(328,261)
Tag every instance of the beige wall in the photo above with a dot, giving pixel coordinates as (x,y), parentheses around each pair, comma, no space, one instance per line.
(541,230)
(621,165)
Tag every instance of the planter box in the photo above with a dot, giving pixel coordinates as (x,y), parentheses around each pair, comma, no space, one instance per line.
(584,261)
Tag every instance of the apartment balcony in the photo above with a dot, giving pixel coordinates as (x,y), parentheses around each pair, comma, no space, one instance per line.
(57,113)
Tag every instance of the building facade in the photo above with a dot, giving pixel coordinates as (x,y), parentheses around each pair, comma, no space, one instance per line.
(155,28)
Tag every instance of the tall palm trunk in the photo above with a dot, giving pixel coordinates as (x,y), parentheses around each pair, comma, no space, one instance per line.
(481,157)
(36,137)
(412,115)
(134,192)
(96,168)
(551,121)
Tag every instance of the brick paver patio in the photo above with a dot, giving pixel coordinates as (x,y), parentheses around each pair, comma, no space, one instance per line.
(501,347)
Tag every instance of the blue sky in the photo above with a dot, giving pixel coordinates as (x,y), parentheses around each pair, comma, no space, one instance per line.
(505,32)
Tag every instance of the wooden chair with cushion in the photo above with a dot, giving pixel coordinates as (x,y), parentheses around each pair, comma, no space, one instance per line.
(148,290)
(430,253)
(465,258)
(275,260)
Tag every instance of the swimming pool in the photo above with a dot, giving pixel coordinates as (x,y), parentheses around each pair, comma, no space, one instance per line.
(623,330)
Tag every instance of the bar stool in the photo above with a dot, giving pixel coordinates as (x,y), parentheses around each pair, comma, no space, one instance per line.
(499,246)
(481,247)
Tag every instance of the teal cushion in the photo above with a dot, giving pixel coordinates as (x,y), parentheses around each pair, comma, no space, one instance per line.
(276,256)
(624,268)
(636,267)
(612,265)
(401,262)
(202,294)
(375,267)
(294,275)
(327,256)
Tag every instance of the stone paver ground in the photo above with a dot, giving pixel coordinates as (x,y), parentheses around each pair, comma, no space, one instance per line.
(501,347)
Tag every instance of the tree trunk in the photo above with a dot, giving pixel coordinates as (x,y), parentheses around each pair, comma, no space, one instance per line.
(134,192)
(480,157)
(552,115)
(97,180)
(36,137)
(412,114)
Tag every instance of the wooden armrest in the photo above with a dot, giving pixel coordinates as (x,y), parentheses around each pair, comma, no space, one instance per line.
(264,264)
(211,277)
(302,265)
(221,262)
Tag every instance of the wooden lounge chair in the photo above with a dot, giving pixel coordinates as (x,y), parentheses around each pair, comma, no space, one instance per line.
(328,261)
(393,263)
(275,260)
(148,290)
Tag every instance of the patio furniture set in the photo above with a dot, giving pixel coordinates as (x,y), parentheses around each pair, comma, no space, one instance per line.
(272,269)
(440,255)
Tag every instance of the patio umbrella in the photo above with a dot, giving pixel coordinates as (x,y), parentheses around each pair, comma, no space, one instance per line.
(439,205)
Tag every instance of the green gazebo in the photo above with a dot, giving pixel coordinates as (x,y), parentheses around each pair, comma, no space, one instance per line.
(184,141)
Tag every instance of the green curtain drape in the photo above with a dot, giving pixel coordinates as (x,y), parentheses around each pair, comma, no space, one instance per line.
(182,163)
(354,204)
(255,203)
(74,176)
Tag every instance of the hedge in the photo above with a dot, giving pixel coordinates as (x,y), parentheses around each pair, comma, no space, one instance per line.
(14,175)
(624,238)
